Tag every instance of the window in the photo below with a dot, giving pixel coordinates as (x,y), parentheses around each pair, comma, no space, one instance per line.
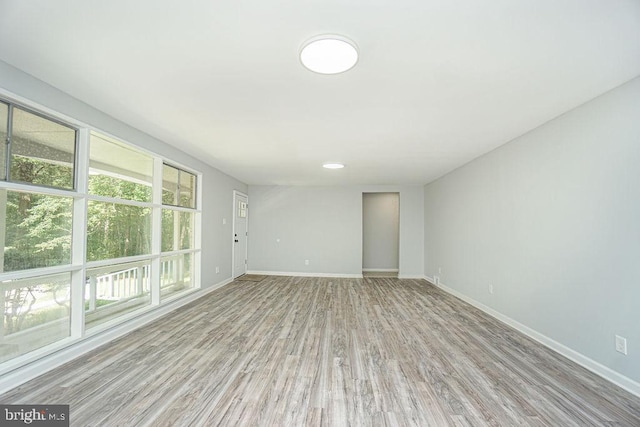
(177,230)
(37,230)
(116,230)
(176,274)
(119,171)
(42,151)
(36,313)
(178,222)
(110,234)
(178,187)
(4,125)
(116,290)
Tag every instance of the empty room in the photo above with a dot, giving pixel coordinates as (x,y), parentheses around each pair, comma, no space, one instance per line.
(320,213)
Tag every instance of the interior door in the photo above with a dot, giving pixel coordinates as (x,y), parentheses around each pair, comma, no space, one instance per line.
(240,218)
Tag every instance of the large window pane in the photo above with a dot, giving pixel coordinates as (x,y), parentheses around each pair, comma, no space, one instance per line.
(170,180)
(36,313)
(42,151)
(36,232)
(4,121)
(118,170)
(178,187)
(115,230)
(177,230)
(176,273)
(187,189)
(115,290)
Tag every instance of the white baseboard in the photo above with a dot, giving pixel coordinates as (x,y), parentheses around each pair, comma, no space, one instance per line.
(299,274)
(338,275)
(46,363)
(380,270)
(607,373)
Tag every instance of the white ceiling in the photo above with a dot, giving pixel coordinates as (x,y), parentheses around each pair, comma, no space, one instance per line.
(438,83)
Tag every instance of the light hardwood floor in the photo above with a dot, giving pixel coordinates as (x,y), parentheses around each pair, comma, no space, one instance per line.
(317,351)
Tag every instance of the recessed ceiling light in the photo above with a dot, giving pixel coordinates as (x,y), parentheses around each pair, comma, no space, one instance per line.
(333,165)
(329,54)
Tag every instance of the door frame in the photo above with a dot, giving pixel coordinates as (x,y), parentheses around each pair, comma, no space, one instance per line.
(391,270)
(237,193)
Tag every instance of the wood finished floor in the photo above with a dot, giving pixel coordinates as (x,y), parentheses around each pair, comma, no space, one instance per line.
(317,351)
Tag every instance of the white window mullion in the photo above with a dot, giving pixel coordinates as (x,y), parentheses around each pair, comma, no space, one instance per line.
(197,235)
(79,232)
(156,231)
(3,230)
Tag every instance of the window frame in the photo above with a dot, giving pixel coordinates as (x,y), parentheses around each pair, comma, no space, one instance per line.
(9,142)
(178,186)
(79,264)
(111,139)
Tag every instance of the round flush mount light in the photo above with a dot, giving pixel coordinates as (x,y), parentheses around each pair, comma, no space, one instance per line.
(329,54)
(333,166)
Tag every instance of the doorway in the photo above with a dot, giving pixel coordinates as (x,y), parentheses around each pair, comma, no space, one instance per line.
(380,234)
(240,235)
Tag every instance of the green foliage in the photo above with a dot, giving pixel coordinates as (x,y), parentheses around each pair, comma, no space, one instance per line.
(103,185)
(41,172)
(116,230)
(38,227)
(38,232)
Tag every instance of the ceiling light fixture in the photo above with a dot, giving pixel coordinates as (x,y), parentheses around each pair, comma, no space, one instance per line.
(329,54)
(333,166)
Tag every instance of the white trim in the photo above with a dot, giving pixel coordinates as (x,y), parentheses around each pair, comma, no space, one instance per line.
(182,208)
(607,373)
(409,276)
(120,261)
(299,274)
(178,252)
(39,272)
(380,270)
(25,102)
(117,201)
(77,348)
(156,224)
(197,238)
(39,189)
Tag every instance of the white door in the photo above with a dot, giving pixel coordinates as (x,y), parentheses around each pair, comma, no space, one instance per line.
(240,217)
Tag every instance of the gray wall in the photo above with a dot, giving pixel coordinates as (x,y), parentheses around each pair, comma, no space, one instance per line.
(380,230)
(324,225)
(217,197)
(552,221)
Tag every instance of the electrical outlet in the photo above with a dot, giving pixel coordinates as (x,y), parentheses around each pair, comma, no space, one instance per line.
(217,270)
(439,270)
(621,344)
(224,221)
(306,262)
(491,289)
(436,280)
